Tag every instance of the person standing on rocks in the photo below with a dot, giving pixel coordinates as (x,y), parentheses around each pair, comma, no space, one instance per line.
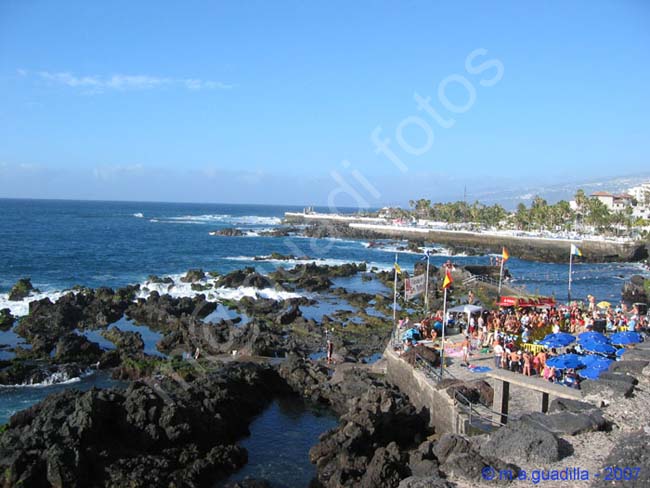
(330,351)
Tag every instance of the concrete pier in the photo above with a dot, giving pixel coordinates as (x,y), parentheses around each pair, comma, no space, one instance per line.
(524,247)
(542,389)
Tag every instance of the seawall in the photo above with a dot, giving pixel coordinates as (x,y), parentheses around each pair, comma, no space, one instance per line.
(422,392)
(523,247)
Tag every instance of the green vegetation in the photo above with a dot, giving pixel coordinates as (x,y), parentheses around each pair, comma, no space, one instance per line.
(540,215)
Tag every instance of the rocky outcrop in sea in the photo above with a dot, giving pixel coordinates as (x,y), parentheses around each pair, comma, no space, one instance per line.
(158,434)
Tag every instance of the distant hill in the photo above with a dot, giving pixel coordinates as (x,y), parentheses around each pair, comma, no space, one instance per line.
(563,191)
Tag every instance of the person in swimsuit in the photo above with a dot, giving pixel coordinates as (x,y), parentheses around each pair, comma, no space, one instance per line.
(465,345)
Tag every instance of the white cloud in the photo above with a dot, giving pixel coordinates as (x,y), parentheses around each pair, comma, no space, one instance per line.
(123,82)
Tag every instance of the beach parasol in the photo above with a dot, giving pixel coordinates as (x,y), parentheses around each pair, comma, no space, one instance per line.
(595,362)
(564,361)
(599,347)
(604,304)
(592,336)
(628,337)
(561,339)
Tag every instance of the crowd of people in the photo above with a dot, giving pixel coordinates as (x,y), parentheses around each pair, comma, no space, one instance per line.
(504,333)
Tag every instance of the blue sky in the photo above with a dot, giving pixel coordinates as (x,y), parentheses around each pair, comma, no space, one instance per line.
(262,101)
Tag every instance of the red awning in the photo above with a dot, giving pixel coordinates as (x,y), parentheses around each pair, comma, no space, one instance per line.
(508,301)
(526,302)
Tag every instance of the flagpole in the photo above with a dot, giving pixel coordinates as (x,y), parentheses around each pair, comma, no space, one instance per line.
(501,274)
(444,326)
(395,294)
(570,276)
(426,286)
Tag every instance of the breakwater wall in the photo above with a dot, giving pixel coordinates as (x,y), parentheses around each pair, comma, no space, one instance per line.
(523,247)
(423,392)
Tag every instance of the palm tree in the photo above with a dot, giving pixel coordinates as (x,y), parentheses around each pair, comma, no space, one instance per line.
(581,200)
(522,216)
(539,211)
(598,214)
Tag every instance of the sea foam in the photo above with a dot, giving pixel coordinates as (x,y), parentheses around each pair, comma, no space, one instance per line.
(21,308)
(222,218)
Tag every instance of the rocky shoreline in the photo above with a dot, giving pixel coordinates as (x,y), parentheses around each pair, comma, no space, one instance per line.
(179,421)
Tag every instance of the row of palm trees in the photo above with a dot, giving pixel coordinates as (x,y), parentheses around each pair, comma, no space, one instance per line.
(587,212)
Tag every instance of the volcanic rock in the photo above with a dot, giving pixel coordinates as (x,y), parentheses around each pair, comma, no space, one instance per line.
(228,232)
(6,320)
(22,289)
(424,482)
(76,348)
(606,390)
(366,448)
(180,435)
(244,278)
(128,341)
(193,275)
(566,423)
(520,442)
(628,366)
(86,309)
(630,452)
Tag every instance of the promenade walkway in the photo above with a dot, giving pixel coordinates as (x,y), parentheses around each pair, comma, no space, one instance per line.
(524,393)
(541,391)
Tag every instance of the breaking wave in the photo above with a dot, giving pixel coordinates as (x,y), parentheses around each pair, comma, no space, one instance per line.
(222,218)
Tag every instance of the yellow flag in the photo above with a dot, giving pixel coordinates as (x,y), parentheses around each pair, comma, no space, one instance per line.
(447,281)
(398,269)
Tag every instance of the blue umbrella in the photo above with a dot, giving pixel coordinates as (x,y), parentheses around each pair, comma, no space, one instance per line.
(561,339)
(593,337)
(628,337)
(564,361)
(620,352)
(595,362)
(599,347)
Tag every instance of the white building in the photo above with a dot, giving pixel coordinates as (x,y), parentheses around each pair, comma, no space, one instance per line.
(614,202)
(641,195)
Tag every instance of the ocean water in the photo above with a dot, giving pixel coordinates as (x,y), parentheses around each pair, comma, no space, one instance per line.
(14,399)
(279,443)
(59,244)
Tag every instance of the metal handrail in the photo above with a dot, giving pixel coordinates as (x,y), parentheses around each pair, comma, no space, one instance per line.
(431,371)
(490,281)
(460,401)
(472,410)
